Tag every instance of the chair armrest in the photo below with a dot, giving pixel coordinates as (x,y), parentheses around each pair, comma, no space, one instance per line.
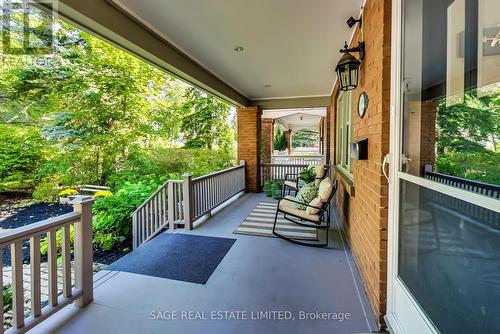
(306,204)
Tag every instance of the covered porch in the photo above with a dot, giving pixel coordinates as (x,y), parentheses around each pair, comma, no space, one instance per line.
(258,274)
(252,62)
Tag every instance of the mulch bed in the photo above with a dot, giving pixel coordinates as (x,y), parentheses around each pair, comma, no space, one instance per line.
(17,210)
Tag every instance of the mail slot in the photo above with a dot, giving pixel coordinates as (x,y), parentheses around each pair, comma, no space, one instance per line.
(359,149)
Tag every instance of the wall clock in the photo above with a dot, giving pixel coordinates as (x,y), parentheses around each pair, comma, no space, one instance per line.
(362,104)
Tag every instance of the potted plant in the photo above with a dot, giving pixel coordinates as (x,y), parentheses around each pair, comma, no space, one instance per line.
(276,189)
(64,195)
(267,188)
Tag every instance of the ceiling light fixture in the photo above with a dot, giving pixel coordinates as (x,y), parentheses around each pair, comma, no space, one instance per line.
(267,86)
(239,48)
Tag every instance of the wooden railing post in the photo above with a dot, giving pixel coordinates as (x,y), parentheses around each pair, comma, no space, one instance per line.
(242,163)
(187,202)
(171,205)
(83,249)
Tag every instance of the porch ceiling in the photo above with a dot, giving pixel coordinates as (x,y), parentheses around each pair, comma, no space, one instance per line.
(291,45)
(297,119)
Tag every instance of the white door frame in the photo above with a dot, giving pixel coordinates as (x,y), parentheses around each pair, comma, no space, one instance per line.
(404,315)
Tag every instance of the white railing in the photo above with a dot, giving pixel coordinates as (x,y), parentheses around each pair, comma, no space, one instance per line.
(277,172)
(298,159)
(210,191)
(161,210)
(184,201)
(81,291)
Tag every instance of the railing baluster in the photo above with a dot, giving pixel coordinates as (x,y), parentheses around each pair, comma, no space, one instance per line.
(16,253)
(52,266)
(66,260)
(35,275)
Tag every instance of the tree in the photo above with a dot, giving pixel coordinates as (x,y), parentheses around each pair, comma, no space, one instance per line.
(94,102)
(305,138)
(204,122)
(280,143)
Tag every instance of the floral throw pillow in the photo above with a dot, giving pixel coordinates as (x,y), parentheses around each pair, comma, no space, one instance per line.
(306,194)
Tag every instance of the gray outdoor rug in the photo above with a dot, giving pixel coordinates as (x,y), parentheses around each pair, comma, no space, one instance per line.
(178,256)
(261,219)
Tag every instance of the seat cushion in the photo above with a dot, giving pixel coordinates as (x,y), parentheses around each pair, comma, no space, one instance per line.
(319,171)
(325,189)
(291,184)
(315,202)
(289,207)
(306,194)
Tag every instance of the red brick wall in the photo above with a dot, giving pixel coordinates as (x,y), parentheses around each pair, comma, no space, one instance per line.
(248,132)
(267,128)
(362,203)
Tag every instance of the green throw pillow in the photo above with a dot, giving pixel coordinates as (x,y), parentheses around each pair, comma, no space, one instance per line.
(306,194)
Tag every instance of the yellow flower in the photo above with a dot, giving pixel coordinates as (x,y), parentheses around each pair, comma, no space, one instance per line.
(68,192)
(102,193)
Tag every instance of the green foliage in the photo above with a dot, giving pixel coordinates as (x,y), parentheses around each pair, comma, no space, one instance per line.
(482,166)
(7,297)
(307,175)
(305,138)
(112,221)
(205,121)
(97,115)
(280,143)
(20,155)
(468,136)
(44,244)
(45,192)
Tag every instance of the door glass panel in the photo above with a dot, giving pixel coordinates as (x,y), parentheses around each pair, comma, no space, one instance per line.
(449,259)
(449,249)
(451,92)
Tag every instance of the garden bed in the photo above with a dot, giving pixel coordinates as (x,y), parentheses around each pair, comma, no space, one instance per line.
(18,209)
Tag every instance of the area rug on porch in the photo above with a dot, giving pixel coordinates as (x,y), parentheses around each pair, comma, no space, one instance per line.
(261,219)
(178,256)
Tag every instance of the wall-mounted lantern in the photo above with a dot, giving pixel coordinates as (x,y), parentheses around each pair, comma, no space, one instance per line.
(348,67)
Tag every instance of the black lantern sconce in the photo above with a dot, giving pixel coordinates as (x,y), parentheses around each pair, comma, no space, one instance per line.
(348,66)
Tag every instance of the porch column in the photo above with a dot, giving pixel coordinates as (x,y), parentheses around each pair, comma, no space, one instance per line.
(249,122)
(267,125)
(288,137)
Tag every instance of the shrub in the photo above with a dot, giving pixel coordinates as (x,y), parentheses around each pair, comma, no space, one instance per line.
(7,298)
(20,155)
(112,221)
(68,192)
(45,192)
(481,166)
(44,242)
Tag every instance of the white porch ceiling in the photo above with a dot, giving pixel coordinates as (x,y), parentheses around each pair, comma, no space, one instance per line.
(297,119)
(291,45)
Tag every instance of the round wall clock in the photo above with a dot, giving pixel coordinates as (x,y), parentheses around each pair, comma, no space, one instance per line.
(362,104)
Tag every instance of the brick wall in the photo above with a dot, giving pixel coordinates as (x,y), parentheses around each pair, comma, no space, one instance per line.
(248,127)
(362,202)
(267,130)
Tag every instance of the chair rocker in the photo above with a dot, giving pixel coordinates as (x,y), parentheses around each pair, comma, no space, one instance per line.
(291,181)
(318,221)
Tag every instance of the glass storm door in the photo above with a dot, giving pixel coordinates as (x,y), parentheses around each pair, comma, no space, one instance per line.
(444,170)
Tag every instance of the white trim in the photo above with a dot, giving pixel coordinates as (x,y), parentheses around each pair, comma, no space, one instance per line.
(392,228)
(288,97)
(464,195)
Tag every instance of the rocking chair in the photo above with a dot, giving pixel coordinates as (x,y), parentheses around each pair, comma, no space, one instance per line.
(316,215)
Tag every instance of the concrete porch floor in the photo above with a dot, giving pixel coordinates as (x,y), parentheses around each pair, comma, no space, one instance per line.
(257,274)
